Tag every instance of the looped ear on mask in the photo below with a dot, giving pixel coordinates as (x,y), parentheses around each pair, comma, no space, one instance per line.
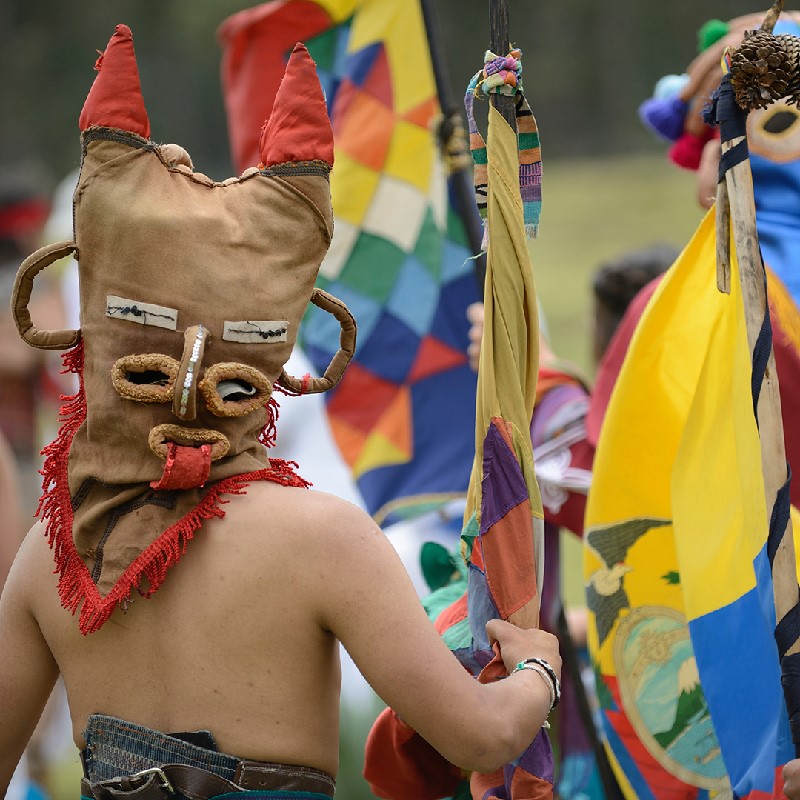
(347,346)
(23,286)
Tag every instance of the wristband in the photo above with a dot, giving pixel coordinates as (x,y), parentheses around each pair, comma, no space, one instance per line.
(544,669)
(544,676)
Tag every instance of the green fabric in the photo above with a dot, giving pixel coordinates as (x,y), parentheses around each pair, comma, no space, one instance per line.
(438,566)
(527,141)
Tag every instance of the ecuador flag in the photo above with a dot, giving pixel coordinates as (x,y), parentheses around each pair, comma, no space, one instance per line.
(677,578)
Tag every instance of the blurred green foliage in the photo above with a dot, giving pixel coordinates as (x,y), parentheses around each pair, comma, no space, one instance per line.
(587,67)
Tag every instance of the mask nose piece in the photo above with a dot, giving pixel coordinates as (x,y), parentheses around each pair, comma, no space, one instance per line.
(184,399)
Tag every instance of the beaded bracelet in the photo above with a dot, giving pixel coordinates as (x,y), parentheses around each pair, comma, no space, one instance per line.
(544,669)
(545,677)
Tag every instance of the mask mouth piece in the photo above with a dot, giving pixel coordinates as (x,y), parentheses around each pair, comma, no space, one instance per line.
(187,455)
(162,436)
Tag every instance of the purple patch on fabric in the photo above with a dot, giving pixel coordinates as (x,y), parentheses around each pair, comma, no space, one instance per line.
(538,758)
(496,793)
(503,485)
(473,660)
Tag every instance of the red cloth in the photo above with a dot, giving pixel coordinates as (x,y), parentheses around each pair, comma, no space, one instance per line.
(255,42)
(399,763)
(115,99)
(185,467)
(298,128)
(611,363)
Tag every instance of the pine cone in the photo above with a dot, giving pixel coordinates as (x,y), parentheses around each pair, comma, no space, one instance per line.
(760,70)
(791,46)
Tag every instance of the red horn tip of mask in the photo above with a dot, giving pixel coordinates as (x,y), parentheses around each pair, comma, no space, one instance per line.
(115,99)
(298,128)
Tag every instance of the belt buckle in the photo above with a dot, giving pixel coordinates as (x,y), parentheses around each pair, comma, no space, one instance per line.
(165,783)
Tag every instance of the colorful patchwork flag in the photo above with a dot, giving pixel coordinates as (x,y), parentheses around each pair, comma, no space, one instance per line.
(403,415)
(504,522)
(677,577)
(503,535)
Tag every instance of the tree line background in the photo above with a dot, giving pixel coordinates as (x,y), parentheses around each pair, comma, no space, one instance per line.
(588,65)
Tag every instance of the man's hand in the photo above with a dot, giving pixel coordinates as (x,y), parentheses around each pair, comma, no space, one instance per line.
(517,644)
(791,779)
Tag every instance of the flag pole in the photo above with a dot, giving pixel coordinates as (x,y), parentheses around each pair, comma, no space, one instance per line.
(500,44)
(448,134)
(738,179)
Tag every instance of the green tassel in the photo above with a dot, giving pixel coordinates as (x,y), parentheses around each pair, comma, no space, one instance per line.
(710,32)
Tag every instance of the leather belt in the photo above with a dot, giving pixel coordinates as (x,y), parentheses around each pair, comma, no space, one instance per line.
(161,783)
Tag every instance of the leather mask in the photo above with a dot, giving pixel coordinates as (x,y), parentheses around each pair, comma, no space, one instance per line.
(191,294)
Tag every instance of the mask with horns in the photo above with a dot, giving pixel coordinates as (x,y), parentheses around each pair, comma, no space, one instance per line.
(191,294)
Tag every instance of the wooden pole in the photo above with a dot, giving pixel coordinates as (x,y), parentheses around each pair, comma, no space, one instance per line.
(500,44)
(739,181)
(771,18)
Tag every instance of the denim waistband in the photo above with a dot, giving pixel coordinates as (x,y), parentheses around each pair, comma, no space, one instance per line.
(115,747)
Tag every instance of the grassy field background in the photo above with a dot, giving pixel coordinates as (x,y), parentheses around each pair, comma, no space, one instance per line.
(593,210)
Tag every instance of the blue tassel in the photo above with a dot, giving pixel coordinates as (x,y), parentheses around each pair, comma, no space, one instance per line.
(670,86)
(664,117)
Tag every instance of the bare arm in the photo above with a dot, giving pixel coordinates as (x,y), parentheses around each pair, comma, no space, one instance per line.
(11,528)
(791,779)
(368,602)
(27,668)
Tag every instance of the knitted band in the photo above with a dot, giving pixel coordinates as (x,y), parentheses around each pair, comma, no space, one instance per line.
(528,143)
(544,669)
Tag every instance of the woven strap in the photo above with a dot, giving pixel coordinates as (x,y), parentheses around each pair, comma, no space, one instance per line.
(530,157)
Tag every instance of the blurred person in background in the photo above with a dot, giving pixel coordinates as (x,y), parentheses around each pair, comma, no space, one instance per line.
(30,386)
(21,786)
(29,381)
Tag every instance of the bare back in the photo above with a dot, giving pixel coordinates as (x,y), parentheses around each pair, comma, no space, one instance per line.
(241,639)
(233,641)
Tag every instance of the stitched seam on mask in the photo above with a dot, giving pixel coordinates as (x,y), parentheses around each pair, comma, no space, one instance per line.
(80,495)
(166,501)
(306,199)
(289,168)
(114,135)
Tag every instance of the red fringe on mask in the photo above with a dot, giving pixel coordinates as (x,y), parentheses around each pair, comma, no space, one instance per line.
(75,586)
(269,433)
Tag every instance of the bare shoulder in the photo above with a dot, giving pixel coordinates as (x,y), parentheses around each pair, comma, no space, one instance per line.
(306,513)
(33,564)
(336,546)
(31,588)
